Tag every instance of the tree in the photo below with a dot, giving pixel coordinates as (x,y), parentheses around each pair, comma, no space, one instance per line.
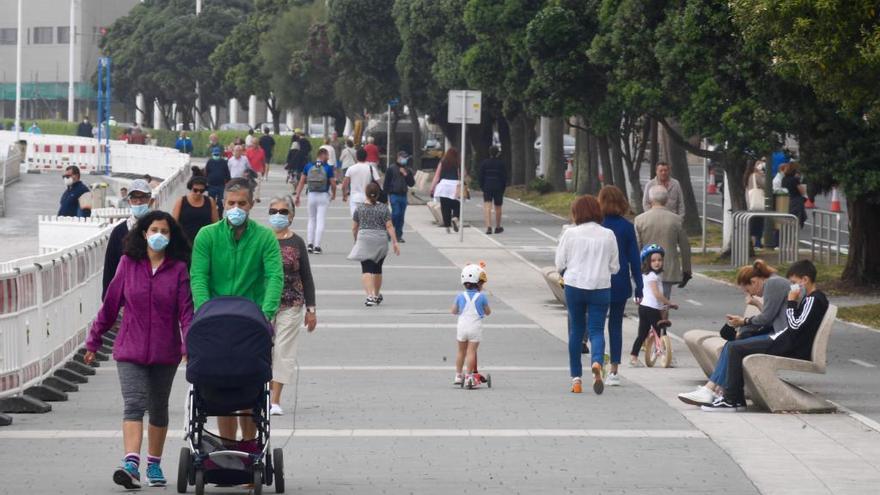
(832,47)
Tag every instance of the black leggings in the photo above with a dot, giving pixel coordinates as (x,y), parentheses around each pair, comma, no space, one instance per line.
(648,317)
(449,208)
(374,267)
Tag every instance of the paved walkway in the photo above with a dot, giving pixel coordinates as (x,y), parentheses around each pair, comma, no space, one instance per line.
(375,410)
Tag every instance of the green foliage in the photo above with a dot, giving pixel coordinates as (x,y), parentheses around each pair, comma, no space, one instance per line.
(540,186)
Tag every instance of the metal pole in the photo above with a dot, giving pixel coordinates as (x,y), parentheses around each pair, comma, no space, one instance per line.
(461,172)
(196,117)
(18,77)
(388,141)
(109,106)
(705,185)
(71,54)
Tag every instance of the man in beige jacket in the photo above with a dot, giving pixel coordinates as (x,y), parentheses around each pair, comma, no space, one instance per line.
(660,226)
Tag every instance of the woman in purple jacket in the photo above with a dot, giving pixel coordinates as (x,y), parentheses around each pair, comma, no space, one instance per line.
(152,283)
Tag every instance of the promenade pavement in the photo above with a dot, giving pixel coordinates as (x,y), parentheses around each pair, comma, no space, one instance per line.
(374,410)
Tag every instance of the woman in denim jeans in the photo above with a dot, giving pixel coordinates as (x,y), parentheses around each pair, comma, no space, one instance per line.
(587,257)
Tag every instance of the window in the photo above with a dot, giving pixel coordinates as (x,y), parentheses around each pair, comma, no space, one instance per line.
(8,36)
(63,35)
(43,35)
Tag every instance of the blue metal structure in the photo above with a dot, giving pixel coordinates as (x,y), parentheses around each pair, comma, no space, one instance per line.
(104,106)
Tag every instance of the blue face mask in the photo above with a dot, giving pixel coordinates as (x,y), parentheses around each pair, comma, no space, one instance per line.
(158,242)
(139,211)
(278,221)
(236,216)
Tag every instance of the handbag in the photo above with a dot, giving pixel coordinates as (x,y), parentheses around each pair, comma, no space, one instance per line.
(383,196)
(755,196)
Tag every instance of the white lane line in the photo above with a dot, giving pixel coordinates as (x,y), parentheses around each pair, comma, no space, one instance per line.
(541,232)
(422,325)
(390,292)
(695,303)
(384,433)
(510,251)
(353,265)
(862,363)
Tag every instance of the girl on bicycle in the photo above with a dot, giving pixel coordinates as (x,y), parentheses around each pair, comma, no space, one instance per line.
(654,305)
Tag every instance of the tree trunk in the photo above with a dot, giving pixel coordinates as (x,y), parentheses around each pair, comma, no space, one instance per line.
(605,156)
(416,138)
(527,145)
(555,170)
(681,172)
(593,185)
(272,105)
(504,137)
(617,166)
(581,160)
(735,166)
(655,146)
(863,264)
(517,160)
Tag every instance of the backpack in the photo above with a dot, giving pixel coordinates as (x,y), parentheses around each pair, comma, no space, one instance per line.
(317,178)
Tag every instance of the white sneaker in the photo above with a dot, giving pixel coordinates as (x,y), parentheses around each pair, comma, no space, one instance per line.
(636,364)
(276,410)
(702,396)
(458,379)
(612,380)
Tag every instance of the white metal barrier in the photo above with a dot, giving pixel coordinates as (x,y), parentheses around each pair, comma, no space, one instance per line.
(825,234)
(789,232)
(11,172)
(48,300)
(56,233)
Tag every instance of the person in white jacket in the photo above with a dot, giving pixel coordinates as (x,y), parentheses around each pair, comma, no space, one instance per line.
(586,258)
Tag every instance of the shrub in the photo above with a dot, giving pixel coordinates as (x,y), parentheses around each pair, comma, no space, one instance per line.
(540,186)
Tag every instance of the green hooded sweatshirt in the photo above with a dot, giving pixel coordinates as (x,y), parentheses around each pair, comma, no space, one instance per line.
(250,267)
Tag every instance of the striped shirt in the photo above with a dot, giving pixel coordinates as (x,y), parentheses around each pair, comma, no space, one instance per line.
(804,320)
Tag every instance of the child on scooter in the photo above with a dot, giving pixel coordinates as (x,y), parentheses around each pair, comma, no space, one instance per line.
(471,306)
(653,309)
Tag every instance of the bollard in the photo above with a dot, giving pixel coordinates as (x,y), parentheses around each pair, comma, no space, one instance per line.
(80,368)
(70,376)
(46,393)
(61,384)
(5,420)
(22,404)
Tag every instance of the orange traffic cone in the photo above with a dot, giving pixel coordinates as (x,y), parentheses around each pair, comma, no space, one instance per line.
(835,200)
(711,188)
(808,204)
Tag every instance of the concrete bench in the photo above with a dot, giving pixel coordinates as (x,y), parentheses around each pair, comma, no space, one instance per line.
(434,208)
(551,276)
(706,345)
(777,395)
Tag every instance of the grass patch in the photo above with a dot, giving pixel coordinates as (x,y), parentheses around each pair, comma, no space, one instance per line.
(713,236)
(868,314)
(558,203)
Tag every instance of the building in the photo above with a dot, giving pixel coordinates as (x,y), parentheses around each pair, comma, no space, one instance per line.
(45,54)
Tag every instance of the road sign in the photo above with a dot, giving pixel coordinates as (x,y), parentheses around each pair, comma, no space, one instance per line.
(464,106)
(393,102)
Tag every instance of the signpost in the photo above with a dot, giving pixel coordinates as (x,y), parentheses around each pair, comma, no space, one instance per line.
(104,102)
(391,103)
(464,109)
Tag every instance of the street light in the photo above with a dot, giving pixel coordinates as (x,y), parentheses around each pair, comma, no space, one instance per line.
(71,38)
(18,77)
(196,118)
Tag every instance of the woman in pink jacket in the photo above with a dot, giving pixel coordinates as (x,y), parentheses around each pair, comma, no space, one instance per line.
(152,283)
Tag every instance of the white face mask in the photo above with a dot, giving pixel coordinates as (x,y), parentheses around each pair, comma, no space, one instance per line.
(68,181)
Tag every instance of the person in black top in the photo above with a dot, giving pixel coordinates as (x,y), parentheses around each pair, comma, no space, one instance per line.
(493,181)
(268,145)
(217,175)
(306,147)
(84,129)
(140,199)
(398,179)
(797,192)
(794,341)
(193,211)
(70,199)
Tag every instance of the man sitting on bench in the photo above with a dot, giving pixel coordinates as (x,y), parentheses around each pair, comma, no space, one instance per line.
(794,341)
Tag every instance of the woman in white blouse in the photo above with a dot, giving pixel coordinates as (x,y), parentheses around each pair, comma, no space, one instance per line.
(586,257)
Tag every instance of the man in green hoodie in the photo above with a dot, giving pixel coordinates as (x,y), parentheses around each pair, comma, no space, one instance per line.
(237,257)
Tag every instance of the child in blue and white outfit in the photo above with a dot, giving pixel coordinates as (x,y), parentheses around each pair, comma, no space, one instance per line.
(471,306)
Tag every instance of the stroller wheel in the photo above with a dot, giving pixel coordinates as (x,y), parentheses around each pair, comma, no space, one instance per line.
(183,468)
(489,381)
(258,481)
(200,482)
(278,467)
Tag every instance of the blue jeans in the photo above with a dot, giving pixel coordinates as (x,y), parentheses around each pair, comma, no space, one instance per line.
(398,210)
(719,375)
(586,309)
(615,330)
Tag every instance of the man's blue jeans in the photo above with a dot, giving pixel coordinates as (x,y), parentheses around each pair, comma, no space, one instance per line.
(719,375)
(586,309)
(398,210)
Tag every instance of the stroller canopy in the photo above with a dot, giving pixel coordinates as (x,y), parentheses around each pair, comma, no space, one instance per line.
(229,344)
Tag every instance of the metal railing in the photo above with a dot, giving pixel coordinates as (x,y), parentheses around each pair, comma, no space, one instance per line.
(11,172)
(741,243)
(825,233)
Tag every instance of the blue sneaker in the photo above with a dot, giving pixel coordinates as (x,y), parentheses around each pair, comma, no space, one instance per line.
(128,476)
(155,477)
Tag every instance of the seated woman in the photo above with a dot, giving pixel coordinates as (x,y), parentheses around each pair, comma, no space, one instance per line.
(756,280)
(805,309)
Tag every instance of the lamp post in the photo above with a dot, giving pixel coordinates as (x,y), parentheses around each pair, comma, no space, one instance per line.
(72,53)
(196,117)
(18,77)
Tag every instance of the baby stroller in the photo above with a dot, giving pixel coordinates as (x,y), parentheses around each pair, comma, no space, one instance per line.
(229,365)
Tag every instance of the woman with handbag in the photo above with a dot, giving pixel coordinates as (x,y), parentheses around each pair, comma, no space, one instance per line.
(446,187)
(754,185)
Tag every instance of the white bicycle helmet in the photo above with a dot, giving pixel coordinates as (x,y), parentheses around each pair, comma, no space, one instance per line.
(473,274)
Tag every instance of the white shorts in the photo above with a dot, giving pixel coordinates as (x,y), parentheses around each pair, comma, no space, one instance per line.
(469,332)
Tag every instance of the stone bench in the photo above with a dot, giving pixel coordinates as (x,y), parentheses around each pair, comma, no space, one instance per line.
(773,393)
(434,208)
(706,345)
(551,276)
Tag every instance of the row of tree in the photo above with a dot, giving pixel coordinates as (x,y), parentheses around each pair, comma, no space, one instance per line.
(626,74)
